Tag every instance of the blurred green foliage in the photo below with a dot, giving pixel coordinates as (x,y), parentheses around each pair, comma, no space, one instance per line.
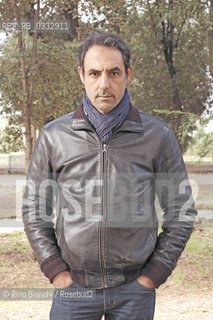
(169,45)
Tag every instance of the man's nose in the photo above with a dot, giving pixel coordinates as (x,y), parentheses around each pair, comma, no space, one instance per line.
(104,82)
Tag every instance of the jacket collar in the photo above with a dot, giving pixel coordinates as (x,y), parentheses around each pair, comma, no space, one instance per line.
(132,122)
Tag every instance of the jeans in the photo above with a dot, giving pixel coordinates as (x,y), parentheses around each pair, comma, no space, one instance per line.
(130,301)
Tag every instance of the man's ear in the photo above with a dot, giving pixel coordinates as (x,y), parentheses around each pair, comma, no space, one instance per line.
(129,74)
(81,74)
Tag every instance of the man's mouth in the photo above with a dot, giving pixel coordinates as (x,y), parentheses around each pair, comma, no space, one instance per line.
(104,97)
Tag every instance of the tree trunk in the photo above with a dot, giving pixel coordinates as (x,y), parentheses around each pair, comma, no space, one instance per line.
(71,14)
(27,81)
(168,54)
(211,51)
(210,36)
(33,134)
(211,39)
(172,72)
(27,133)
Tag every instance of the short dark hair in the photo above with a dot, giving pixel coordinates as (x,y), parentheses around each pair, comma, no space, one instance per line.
(104,39)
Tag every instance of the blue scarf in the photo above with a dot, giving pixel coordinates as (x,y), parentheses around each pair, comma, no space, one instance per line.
(106,123)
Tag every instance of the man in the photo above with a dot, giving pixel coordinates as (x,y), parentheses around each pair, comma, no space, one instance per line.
(105,162)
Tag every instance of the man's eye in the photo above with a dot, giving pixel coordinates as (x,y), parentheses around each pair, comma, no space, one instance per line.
(114,73)
(94,74)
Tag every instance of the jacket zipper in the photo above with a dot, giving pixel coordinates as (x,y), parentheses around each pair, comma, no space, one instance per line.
(103,209)
(104,205)
(102,229)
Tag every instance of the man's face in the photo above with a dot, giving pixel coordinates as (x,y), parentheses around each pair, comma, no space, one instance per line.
(105,78)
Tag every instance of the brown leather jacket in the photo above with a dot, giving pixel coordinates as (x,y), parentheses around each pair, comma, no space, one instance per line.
(106,230)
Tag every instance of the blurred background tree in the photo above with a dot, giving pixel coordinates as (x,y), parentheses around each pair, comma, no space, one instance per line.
(202,143)
(11,137)
(171,45)
(210,34)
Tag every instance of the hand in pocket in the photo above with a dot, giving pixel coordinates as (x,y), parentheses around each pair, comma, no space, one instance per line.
(62,280)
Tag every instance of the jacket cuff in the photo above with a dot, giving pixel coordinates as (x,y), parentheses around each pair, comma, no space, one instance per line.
(53,265)
(156,271)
